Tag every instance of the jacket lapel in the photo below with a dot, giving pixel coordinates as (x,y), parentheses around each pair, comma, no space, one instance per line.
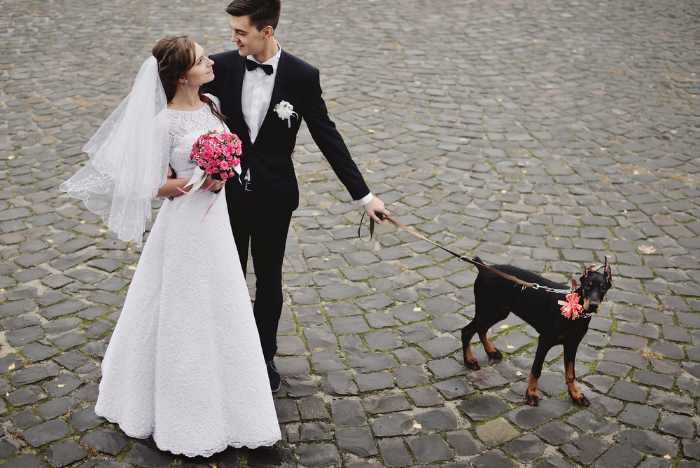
(276,94)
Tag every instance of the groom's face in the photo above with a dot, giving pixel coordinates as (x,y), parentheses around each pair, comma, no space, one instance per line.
(246,36)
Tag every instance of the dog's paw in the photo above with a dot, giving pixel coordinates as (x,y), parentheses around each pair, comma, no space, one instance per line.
(532,399)
(472,365)
(581,401)
(495,356)
(469,361)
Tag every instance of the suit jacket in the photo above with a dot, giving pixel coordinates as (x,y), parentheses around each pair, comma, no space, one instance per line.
(270,157)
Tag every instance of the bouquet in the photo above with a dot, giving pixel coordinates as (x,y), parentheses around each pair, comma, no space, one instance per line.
(218,154)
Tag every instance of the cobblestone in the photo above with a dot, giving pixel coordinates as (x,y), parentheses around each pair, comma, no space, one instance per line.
(544,134)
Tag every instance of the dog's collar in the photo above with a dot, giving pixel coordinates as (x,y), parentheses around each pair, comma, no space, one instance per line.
(584,313)
(573,307)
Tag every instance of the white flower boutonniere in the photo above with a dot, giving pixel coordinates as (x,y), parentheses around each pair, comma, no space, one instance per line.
(285,111)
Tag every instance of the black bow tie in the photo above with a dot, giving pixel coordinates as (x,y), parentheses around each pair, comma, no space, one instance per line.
(251,65)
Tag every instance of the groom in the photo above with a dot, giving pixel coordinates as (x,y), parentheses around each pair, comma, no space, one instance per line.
(265,93)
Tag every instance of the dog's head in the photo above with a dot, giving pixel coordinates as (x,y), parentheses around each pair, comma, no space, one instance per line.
(595,282)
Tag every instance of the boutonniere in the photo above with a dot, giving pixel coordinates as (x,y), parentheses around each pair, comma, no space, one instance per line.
(285,111)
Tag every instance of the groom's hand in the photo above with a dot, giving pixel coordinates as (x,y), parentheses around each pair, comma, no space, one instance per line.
(375,209)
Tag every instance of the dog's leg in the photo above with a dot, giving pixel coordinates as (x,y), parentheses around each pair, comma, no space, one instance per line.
(531,396)
(470,361)
(570,374)
(495,315)
(494,354)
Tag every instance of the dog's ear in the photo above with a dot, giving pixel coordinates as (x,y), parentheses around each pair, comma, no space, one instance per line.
(608,272)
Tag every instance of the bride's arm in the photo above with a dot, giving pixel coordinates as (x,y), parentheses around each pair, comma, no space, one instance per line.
(173,188)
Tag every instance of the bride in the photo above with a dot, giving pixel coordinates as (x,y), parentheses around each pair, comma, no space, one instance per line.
(184,363)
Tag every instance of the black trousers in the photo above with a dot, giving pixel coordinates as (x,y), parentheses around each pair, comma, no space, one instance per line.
(263,227)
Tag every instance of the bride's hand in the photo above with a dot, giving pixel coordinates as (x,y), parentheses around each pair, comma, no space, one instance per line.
(172,188)
(212,184)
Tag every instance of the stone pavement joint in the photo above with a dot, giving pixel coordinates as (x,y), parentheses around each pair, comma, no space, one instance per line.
(547,134)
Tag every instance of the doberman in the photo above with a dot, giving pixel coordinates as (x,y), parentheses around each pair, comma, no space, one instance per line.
(495,297)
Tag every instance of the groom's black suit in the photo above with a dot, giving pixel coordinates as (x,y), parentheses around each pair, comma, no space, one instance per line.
(261,217)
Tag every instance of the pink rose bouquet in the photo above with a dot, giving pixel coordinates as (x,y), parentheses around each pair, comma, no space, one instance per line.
(218,154)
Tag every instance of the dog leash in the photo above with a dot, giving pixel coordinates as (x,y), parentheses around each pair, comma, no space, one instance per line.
(473,261)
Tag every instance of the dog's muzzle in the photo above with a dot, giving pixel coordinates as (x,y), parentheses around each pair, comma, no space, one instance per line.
(590,305)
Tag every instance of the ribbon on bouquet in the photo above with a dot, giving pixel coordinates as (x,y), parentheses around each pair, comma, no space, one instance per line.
(196,182)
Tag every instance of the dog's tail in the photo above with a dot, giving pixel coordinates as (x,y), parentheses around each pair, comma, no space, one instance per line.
(479,263)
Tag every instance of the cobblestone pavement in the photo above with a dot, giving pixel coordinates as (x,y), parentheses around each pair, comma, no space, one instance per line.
(539,132)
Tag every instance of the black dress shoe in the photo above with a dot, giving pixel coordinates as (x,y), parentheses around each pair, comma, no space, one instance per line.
(275,379)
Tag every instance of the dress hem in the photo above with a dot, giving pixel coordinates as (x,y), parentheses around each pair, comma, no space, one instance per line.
(191,454)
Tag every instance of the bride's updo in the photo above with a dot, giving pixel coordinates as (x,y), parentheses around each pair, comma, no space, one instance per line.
(176,55)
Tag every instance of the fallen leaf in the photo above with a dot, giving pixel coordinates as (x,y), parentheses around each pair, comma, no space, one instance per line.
(647,249)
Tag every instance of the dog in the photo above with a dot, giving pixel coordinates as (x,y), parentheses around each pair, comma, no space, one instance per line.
(495,297)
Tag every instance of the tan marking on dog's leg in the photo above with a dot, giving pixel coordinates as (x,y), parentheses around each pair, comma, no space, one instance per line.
(532,382)
(570,374)
(531,396)
(469,353)
(469,358)
(488,345)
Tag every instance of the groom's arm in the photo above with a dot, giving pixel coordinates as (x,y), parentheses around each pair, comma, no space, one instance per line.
(330,142)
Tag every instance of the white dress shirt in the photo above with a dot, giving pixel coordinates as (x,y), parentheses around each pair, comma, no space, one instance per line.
(255,99)
(257,92)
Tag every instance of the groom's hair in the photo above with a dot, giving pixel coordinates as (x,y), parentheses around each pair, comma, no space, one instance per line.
(261,12)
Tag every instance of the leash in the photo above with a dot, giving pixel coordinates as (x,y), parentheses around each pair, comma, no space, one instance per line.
(473,261)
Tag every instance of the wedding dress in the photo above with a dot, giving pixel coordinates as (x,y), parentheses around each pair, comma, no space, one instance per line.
(184,363)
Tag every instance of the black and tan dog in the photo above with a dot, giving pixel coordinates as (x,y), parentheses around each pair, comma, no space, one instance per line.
(495,297)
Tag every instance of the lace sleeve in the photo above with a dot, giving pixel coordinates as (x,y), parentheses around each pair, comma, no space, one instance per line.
(164,128)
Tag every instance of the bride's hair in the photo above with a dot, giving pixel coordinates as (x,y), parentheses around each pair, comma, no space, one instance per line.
(176,55)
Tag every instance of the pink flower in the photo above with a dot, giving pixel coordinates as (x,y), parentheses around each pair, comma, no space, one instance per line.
(570,308)
(215,153)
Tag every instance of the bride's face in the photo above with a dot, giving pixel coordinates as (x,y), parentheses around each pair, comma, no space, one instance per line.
(202,71)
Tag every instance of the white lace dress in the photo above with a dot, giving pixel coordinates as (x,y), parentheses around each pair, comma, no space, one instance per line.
(184,363)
